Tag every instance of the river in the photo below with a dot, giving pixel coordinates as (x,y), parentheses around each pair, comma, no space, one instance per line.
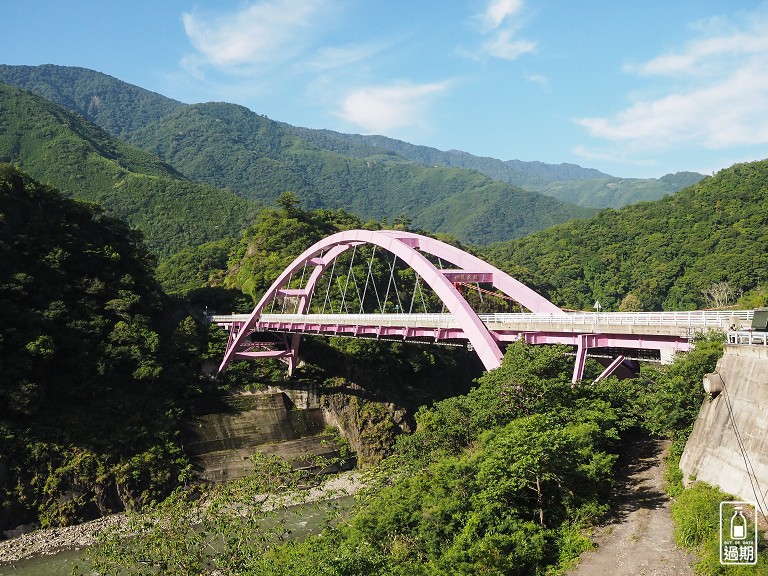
(301,524)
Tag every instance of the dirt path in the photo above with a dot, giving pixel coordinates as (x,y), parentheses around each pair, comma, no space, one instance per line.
(638,540)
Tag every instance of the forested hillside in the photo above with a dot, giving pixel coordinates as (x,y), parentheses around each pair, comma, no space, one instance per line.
(116,106)
(92,378)
(230,147)
(567,182)
(618,192)
(704,246)
(64,150)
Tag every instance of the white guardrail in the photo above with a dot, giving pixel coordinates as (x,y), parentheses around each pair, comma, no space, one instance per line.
(695,318)
(748,337)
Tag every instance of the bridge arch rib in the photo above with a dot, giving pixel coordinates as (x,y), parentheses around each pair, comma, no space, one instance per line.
(410,248)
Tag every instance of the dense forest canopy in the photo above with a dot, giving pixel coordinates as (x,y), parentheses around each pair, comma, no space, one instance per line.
(64,150)
(663,255)
(92,376)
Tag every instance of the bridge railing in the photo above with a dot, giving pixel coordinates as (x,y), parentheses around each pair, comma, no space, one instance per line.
(394,319)
(695,318)
(748,337)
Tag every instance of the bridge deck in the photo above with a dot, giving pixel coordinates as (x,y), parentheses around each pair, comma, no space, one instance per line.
(620,334)
(680,324)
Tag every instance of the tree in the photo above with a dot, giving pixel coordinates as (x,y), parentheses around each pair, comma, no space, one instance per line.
(630,303)
(719,294)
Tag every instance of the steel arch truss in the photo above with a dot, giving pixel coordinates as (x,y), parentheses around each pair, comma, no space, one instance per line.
(412,250)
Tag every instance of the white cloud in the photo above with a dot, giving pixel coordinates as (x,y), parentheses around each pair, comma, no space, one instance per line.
(540,80)
(498,11)
(503,45)
(332,57)
(719,99)
(261,34)
(499,25)
(707,56)
(384,109)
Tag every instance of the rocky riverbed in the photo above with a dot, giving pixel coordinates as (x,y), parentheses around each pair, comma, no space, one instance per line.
(52,540)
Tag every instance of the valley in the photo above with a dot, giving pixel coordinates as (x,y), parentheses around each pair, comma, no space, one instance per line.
(128,218)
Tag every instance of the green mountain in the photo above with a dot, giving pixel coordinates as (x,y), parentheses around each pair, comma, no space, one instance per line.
(92,383)
(567,182)
(671,254)
(116,106)
(230,147)
(517,172)
(62,149)
(612,192)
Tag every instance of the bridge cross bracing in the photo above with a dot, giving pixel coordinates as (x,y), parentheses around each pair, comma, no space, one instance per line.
(613,334)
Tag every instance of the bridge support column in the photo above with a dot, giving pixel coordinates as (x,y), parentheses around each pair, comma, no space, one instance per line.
(293,357)
(581,358)
(610,369)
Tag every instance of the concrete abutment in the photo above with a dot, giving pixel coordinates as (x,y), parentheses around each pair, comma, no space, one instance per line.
(729,443)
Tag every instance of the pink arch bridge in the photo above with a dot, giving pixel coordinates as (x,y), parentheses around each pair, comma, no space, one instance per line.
(615,337)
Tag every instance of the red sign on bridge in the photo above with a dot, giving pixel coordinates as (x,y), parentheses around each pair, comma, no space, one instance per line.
(464,276)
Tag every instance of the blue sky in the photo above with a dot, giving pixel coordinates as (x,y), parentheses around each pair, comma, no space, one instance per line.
(633,88)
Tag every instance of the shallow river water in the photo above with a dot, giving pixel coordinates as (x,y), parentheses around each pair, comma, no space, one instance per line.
(302,524)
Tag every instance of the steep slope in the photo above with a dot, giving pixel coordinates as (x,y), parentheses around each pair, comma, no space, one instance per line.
(666,254)
(116,106)
(62,149)
(90,382)
(229,146)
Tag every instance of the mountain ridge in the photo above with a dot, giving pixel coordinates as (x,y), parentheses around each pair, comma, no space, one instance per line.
(62,149)
(124,110)
(228,146)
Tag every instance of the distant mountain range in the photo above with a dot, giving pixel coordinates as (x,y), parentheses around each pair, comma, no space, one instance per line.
(62,149)
(568,182)
(233,150)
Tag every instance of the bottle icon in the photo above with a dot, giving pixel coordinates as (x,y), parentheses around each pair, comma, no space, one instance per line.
(738,524)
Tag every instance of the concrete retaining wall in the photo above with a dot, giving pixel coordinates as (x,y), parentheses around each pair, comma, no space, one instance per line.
(220,443)
(712,453)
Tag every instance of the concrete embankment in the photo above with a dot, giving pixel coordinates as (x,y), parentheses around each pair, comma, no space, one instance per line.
(221,438)
(729,443)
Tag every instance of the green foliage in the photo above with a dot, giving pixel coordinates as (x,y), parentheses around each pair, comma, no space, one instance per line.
(91,386)
(277,237)
(696,512)
(224,529)
(62,149)
(195,267)
(755,298)
(665,254)
(675,393)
